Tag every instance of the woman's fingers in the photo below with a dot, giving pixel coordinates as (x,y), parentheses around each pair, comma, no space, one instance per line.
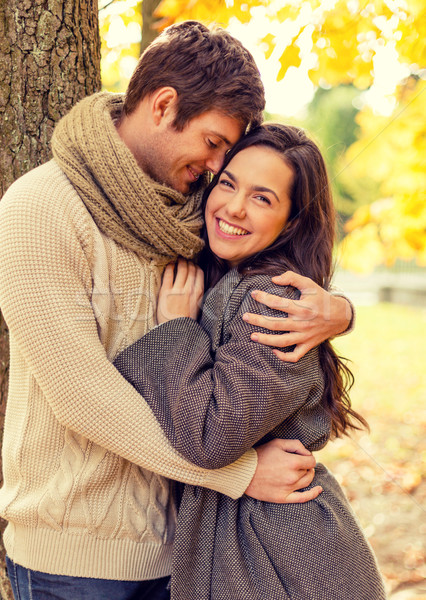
(199,282)
(191,275)
(181,273)
(168,276)
(299,497)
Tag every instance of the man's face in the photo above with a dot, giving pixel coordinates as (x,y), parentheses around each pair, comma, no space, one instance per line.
(178,158)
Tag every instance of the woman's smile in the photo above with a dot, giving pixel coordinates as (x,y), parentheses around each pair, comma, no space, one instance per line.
(230,230)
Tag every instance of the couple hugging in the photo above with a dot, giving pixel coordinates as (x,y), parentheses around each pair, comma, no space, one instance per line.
(165,280)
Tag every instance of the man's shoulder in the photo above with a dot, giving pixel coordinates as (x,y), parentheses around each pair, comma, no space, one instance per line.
(44,200)
(43,180)
(44,189)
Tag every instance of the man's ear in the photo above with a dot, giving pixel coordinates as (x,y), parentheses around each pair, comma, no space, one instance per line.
(163,104)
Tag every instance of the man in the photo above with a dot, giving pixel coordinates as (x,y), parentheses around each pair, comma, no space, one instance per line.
(85,237)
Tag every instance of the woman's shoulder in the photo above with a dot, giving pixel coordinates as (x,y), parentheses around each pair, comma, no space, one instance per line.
(232,296)
(263,282)
(233,293)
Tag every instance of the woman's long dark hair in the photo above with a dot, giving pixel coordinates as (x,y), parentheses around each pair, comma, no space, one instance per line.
(305,246)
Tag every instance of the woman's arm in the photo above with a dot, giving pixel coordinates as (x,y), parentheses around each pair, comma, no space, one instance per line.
(214,406)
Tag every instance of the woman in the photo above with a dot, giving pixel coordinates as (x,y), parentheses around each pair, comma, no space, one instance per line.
(216,393)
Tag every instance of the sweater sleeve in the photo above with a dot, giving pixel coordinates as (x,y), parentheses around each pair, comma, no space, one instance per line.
(341,294)
(45,296)
(215,405)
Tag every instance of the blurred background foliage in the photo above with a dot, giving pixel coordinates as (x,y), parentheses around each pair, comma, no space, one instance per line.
(352,51)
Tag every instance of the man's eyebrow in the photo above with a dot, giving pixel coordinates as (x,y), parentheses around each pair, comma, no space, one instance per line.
(255,188)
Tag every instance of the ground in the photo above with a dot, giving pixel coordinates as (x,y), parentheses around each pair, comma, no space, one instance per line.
(383,473)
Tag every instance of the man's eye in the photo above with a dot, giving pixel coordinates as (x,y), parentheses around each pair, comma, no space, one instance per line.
(212,144)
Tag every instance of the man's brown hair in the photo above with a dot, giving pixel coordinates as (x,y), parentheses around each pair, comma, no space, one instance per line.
(210,70)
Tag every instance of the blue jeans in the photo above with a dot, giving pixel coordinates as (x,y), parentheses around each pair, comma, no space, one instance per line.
(33,585)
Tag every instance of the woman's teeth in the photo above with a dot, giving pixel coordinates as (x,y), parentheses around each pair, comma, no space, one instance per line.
(231,229)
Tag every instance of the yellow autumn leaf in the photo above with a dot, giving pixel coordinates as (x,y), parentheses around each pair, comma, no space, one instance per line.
(288,11)
(269,43)
(411,480)
(289,58)
(206,11)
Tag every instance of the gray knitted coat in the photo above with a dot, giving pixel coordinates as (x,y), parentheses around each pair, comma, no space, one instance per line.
(216,393)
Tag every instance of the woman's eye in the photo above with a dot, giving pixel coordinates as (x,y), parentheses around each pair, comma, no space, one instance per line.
(211,144)
(226,183)
(264,199)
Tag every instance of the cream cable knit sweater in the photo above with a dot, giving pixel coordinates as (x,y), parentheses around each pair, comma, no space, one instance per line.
(85,461)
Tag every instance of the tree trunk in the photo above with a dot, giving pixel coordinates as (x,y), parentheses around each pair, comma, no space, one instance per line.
(49,59)
(148,22)
(5,592)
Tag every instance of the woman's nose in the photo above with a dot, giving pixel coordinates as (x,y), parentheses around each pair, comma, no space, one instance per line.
(236,206)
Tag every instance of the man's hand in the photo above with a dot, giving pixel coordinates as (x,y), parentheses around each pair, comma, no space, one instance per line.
(315,317)
(181,292)
(284,466)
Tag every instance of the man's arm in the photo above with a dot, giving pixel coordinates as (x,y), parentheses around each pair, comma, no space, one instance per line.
(317,316)
(283,466)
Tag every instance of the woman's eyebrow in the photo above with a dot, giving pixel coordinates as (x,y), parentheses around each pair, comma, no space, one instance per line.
(257,188)
(230,175)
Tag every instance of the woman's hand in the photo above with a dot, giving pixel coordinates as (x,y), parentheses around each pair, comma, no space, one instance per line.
(181,292)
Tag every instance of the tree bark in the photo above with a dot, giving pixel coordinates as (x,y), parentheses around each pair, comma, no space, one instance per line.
(5,591)
(149,33)
(49,59)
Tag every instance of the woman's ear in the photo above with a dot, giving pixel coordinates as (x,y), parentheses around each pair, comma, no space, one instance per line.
(163,103)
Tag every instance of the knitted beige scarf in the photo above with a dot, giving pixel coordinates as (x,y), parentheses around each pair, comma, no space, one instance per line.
(142,215)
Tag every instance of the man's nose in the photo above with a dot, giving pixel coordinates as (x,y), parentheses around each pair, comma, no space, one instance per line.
(215,161)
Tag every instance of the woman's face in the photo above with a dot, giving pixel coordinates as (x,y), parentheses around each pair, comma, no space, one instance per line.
(248,208)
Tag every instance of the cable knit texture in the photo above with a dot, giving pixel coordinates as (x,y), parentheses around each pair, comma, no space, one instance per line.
(85,461)
(165,225)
